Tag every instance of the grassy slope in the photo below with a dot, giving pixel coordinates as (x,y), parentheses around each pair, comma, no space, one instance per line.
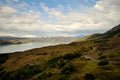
(97,59)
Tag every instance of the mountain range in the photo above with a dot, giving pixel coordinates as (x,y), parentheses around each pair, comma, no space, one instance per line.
(21,40)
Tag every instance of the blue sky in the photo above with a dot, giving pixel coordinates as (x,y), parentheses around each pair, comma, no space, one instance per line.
(35,4)
(50,18)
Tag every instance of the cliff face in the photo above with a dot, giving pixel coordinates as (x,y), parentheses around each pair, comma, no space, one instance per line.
(96,58)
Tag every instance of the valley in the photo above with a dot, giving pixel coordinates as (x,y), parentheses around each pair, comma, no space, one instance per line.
(96,57)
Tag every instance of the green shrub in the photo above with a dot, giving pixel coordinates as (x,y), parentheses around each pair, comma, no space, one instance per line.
(52,62)
(59,62)
(117,64)
(76,78)
(1,68)
(89,76)
(44,75)
(2,73)
(86,49)
(63,77)
(103,63)
(68,69)
(100,53)
(112,55)
(56,62)
(108,75)
(102,57)
(3,58)
(22,74)
(71,56)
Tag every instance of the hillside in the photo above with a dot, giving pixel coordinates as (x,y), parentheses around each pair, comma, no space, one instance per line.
(110,33)
(95,58)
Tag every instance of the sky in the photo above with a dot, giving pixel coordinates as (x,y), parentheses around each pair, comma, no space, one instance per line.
(52,18)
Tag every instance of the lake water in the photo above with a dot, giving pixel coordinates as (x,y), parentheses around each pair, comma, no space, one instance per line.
(9,48)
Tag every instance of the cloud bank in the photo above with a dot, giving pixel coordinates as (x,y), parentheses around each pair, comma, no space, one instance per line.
(57,21)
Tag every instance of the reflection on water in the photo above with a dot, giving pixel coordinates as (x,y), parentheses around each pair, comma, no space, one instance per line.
(7,48)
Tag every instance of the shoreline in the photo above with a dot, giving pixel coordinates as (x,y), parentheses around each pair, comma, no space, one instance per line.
(46,46)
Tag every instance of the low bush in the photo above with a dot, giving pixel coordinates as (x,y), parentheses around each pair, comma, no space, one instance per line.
(56,62)
(102,57)
(1,68)
(44,75)
(68,69)
(103,63)
(86,49)
(71,56)
(60,61)
(76,78)
(22,74)
(108,75)
(116,64)
(64,77)
(89,76)
(112,55)
(3,58)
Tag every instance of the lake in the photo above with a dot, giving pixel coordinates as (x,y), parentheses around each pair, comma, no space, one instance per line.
(9,48)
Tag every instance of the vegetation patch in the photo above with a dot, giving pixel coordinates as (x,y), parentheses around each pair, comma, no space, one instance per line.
(3,58)
(89,76)
(103,63)
(60,61)
(71,55)
(86,49)
(44,75)
(108,75)
(64,77)
(56,62)
(1,68)
(22,74)
(112,55)
(68,69)
(102,57)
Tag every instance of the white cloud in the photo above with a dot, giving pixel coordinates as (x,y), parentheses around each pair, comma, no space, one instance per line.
(102,16)
(23,5)
(7,11)
(29,36)
(52,12)
(7,34)
(16,0)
